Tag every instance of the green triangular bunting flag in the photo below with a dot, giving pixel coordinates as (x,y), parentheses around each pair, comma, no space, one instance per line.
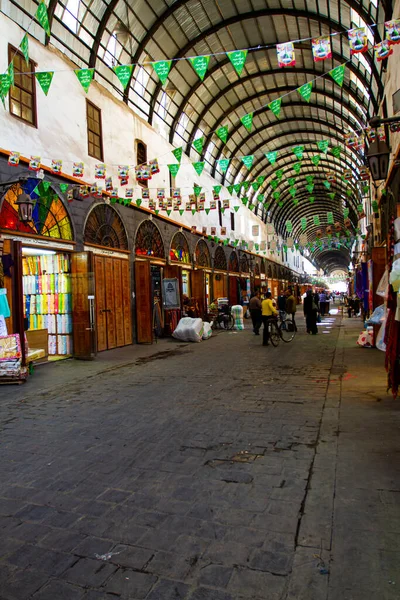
(303,223)
(178,154)
(323,145)
(217,188)
(196,190)
(316,220)
(275,106)
(238,59)
(316,159)
(255,185)
(248,161)
(200,65)
(43,17)
(305,91)
(138,202)
(173,169)
(230,189)
(198,167)
(85,77)
(247,121)
(327,185)
(329,217)
(298,151)
(162,68)
(272,156)
(63,187)
(261,179)
(223,164)
(207,211)
(310,188)
(222,133)
(24,45)
(124,74)
(311,199)
(236,208)
(44,79)
(337,74)
(297,167)
(336,150)
(198,144)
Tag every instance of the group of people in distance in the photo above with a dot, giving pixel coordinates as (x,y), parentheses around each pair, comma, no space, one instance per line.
(263,310)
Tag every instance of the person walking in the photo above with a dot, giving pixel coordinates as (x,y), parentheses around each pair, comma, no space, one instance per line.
(268,312)
(322,302)
(291,306)
(349,302)
(310,312)
(255,312)
(282,305)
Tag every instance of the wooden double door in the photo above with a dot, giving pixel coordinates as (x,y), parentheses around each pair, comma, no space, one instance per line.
(112,302)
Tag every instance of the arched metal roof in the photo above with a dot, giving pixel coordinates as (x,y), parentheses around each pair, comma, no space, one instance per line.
(111,32)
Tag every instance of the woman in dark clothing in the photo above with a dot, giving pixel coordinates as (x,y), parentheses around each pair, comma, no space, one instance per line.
(310,312)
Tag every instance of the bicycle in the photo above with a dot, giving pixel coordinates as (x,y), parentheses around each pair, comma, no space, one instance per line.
(286,329)
(224,319)
(273,329)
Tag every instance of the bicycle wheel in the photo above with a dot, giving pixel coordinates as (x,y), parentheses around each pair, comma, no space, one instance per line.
(230,323)
(274,333)
(287,331)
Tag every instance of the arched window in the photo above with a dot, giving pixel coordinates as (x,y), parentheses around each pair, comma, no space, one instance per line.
(262,267)
(202,254)
(244,264)
(257,270)
(49,217)
(149,241)
(179,250)
(104,227)
(233,263)
(220,259)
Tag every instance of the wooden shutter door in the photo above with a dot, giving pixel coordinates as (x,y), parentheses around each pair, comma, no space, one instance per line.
(82,305)
(100,303)
(110,302)
(144,313)
(118,300)
(198,290)
(126,301)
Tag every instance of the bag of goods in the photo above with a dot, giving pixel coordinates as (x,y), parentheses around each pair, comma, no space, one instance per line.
(189,330)
(237,313)
(380,344)
(377,316)
(365,339)
(207,330)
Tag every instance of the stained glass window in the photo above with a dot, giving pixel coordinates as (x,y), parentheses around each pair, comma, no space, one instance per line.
(220,259)
(149,241)
(49,217)
(104,227)
(179,250)
(202,254)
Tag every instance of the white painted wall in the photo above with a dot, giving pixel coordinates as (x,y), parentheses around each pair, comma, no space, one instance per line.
(61,134)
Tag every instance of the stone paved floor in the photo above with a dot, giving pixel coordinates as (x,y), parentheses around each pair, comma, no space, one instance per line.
(213,471)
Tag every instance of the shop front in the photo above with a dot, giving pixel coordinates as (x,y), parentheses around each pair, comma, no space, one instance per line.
(202,277)
(149,273)
(245,280)
(257,278)
(234,279)
(274,284)
(37,276)
(263,277)
(105,237)
(180,267)
(220,274)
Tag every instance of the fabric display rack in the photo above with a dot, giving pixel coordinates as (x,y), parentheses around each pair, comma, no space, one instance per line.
(47,299)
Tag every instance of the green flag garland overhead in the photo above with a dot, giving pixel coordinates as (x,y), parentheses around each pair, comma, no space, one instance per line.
(178,154)
(124,74)
(222,133)
(329,217)
(63,187)
(316,159)
(260,198)
(271,157)
(223,164)
(261,179)
(43,17)
(316,220)
(200,65)
(217,188)
(297,167)
(292,191)
(246,185)
(255,185)
(310,188)
(11,72)
(336,150)
(236,208)
(85,77)
(44,79)
(305,91)
(310,179)
(162,68)
(303,222)
(279,174)
(197,190)
(24,46)
(289,226)
(207,210)
(337,74)
(237,187)
(198,144)
(247,121)
(346,212)
(5,84)
(230,189)
(173,169)
(238,59)
(276,195)
(291,180)
(332,195)
(311,199)
(275,106)
(323,145)
(274,184)
(248,161)
(298,151)
(349,193)
(327,185)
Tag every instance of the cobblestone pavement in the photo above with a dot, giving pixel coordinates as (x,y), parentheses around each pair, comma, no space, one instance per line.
(215,471)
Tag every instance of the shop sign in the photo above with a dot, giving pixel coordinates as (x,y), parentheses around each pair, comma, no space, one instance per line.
(27,241)
(171,293)
(106,252)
